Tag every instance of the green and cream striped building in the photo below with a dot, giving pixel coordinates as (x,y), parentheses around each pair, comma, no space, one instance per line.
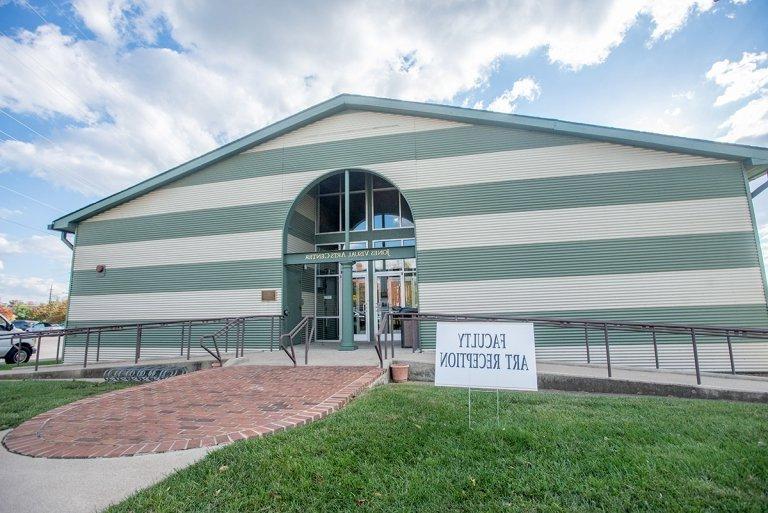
(482,213)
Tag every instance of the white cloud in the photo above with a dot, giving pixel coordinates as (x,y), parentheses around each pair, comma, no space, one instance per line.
(526,88)
(30,288)
(670,15)
(8,246)
(9,212)
(134,109)
(55,256)
(750,122)
(740,79)
(690,94)
(46,246)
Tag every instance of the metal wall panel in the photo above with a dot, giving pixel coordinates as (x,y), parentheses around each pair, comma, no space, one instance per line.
(352,125)
(611,256)
(194,304)
(187,250)
(589,223)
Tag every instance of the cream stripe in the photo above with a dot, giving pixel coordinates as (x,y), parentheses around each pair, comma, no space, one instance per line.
(297,245)
(588,223)
(549,162)
(306,207)
(596,292)
(552,161)
(353,125)
(185,250)
(202,304)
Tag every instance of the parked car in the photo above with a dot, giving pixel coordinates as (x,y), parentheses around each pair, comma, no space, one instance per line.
(9,349)
(22,324)
(44,326)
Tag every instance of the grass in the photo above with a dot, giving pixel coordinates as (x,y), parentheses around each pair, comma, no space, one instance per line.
(22,400)
(31,363)
(408,448)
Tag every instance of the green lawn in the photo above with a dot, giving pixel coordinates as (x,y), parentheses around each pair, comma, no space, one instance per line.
(22,400)
(6,366)
(408,448)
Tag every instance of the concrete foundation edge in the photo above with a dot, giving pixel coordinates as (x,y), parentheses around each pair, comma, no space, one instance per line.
(421,371)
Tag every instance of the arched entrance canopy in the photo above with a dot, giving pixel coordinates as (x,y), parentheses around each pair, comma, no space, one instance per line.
(351,235)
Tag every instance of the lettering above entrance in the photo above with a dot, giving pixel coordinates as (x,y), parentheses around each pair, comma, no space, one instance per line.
(352,255)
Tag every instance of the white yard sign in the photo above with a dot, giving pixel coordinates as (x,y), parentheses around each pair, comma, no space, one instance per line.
(499,355)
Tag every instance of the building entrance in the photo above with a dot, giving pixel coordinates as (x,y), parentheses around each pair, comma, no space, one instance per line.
(356,238)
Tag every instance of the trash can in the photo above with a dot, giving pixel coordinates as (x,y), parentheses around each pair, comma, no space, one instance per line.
(410,333)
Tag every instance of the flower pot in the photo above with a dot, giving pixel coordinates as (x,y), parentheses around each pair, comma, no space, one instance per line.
(399,372)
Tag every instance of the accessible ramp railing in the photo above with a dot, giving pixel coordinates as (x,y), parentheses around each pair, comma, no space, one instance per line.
(305,328)
(148,340)
(577,329)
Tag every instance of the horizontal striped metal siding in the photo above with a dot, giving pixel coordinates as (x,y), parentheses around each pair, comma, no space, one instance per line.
(354,125)
(191,304)
(187,250)
(462,171)
(596,292)
(631,187)
(578,258)
(194,223)
(371,150)
(545,162)
(302,227)
(238,274)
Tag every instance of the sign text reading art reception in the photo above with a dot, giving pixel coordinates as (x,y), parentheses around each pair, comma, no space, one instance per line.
(485,355)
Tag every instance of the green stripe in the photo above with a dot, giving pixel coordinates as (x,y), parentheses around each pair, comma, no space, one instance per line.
(650,186)
(196,223)
(447,142)
(245,274)
(302,227)
(614,256)
(676,184)
(744,316)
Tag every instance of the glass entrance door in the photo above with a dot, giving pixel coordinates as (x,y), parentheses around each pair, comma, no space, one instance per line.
(359,307)
(389,297)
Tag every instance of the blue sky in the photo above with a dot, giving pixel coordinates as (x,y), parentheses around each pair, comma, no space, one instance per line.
(97,95)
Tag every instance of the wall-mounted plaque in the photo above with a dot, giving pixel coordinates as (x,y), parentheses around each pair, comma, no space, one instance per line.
(269,295)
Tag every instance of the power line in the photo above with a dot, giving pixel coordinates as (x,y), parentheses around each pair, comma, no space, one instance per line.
(32,199)
(69,18)
(81,180)
(67,98)
(27,4)
(26,226)
(26,126)
(9,136)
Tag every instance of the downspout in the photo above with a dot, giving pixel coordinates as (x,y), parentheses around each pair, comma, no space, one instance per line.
(65,240)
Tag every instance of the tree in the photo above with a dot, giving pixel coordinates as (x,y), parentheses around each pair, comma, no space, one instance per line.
(20,309)
(7,312)
(55,312)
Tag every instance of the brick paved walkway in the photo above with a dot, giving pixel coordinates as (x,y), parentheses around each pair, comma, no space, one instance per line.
(204,408)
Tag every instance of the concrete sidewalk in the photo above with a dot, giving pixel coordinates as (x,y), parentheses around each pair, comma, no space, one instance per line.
(40,485)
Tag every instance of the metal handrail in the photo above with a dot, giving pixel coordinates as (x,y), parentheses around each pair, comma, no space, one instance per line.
(238,323)
(302,324)
(692,331)
(384,325)
(96,332)
(309,335)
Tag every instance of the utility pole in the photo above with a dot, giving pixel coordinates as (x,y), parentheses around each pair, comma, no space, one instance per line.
(50,294)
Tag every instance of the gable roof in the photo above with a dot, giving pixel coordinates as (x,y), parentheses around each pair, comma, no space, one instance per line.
(755,159)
